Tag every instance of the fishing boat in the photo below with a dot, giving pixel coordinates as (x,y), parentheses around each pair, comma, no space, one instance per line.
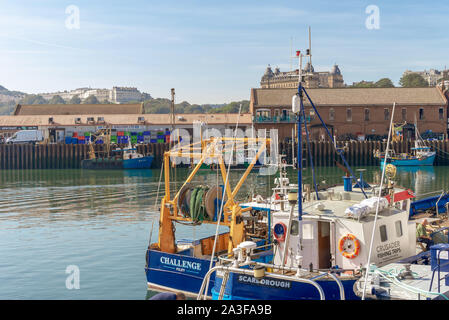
(321,240)
(421,155)
(120,158)
(181,264)
(300,243)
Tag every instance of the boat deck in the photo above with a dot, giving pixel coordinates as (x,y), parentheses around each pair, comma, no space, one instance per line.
(422,280)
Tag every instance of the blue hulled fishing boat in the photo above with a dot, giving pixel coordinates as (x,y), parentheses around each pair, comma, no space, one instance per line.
(299,243)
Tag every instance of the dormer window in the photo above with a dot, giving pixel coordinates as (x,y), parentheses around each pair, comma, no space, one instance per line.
(141,119)
(50,120)
(90,119)
(77,120)
(100,119)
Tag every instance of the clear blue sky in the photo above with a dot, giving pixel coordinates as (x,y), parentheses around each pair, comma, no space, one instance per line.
(211,51)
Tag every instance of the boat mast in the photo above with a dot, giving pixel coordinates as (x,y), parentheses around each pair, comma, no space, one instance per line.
(297,106)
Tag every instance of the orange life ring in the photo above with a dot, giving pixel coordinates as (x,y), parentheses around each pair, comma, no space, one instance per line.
(355,252)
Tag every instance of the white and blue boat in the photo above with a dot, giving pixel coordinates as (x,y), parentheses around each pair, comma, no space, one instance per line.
(300,243)
(421,155)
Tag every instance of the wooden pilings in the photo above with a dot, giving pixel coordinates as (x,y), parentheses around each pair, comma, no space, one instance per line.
(358,153)
(68,156)
(60,156)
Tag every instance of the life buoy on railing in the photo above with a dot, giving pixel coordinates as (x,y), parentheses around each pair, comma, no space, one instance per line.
(341,246)
(279,231)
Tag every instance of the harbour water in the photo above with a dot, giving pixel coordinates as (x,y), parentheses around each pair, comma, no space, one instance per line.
(101,221)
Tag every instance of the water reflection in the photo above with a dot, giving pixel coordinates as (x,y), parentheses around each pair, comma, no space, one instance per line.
(33,198)
(101,221)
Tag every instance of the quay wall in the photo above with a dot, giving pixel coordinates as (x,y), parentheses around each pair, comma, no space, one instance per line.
(69,156)
(61,156)
(358,153)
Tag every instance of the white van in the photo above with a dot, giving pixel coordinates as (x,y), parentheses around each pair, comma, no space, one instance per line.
(26,136)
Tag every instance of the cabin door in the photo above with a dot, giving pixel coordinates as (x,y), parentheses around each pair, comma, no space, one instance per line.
(324,245)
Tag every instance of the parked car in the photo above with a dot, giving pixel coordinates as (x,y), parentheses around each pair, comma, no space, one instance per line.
(26,136)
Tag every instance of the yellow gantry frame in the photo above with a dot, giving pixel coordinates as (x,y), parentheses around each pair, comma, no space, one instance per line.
(206,148)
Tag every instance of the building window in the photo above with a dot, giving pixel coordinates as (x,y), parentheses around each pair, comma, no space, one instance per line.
(441,114)
(398,226)
(348,114)
(386,114)
(286,115)
(383,233)
(404,114)
(366,114)
(331,114)
(263,115)
(421,113)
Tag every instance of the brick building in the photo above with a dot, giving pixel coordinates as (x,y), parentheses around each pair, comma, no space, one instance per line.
(356,112)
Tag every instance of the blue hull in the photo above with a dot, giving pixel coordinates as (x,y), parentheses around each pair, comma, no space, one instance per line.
(244,287)
(178,272)
(428,203)
(182,272)
(138,163)
(410,162)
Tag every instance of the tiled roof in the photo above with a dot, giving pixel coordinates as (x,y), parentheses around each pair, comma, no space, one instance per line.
(352,96)
(74,109)
(126,119)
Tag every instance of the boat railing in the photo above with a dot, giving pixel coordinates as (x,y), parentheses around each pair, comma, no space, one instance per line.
(249,272)
(436,204)
(429,193)
(225,259)
(438,269)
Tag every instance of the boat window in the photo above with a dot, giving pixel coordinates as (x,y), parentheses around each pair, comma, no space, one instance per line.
(307,231)
(383,233)
(295,228)
(398,226)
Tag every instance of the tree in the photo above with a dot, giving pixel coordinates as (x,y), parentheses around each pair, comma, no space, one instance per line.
(413,80)
(75,100)
(56,100)
(363,84)
(91,100)
(384,83)
(32,99)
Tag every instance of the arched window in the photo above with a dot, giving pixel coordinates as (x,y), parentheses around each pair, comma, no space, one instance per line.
(331,114)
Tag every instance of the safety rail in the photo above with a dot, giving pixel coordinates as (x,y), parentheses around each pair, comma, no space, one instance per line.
(321,272)
(438,268)
(204,288)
